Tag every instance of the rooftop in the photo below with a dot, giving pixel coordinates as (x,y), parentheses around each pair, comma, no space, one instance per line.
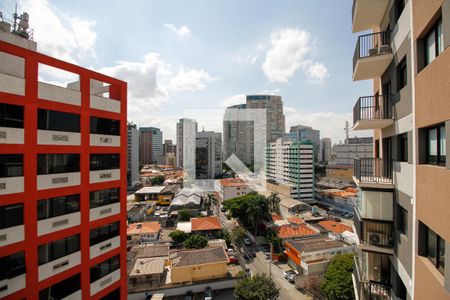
(335,227)
(317,244)
(291,231)
(198,257)
(171,189)
(151,189)
(184,226)
(143,228)
(232,182)
(147,266)
(151,250)
(295,220)
(206,223)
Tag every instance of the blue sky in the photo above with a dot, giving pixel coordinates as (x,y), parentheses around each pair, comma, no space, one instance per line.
(197,55)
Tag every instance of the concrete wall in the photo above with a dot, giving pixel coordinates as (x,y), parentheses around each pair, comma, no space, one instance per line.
(199,272)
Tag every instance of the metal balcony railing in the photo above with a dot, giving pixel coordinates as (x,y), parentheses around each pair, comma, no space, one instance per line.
(369,290)
(372,44)
(373,170)
(372,108)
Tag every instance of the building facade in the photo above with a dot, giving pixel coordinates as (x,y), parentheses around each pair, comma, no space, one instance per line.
(352,148)
(402,214)
(182,138)
(208,155)
(63,179)
(291,164)
(305,133)
(151,146)
(325,146)
(133,155)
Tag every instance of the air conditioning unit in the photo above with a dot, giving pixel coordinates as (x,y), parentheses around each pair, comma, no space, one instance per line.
(373,51)
(375,238)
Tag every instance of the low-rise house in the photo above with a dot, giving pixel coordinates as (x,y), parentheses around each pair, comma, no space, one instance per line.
(187,198)
(151,250)
(312,256)
(188,266)
(207,226)
(136,213)
(336,229)
(233,187)
(143,232)
(147,271)
(167,194)
(291,231)
(149,193)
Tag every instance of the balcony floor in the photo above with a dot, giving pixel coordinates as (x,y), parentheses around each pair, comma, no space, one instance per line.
(368,14)
(372,66)
(372,124)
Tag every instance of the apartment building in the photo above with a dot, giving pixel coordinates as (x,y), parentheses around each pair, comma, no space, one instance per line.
(306,133)
(358,147)
(325,148)
(208,155)
(402,215)
(62,178)
(133,155)
(290,165)
(186,131)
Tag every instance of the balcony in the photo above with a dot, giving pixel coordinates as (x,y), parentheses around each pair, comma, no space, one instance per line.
(373,173)
(373,54)
(368,14)
(367,290)
(374,235)
(372,112)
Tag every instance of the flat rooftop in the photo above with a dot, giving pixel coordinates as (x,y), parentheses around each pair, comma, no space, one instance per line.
(317,244)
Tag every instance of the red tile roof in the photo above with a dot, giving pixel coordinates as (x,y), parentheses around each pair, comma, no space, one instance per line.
(276,217)
(207,223)
(293,231)
(295,220)
(335,227)
(232,182)
(143,228)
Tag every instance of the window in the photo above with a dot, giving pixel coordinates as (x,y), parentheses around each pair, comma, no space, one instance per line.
(402,220)
(11,215)
(402,74)
(403,147)
(58,248)
(102,269)
(11,115)
(399,6)
(12,265)
(57,163)
(61,289)
(104,197)
(436,143)
(11,165)
(104,161)
(58,206)
(105,126)
(58,121)
(103,233)
(435,249)
(434,42)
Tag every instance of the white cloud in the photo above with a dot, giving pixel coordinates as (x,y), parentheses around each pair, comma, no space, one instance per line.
(275,91)
(330,124)
(291,49)
(233,100)
(67,37)
(181,32)
(190,81)
(318,71)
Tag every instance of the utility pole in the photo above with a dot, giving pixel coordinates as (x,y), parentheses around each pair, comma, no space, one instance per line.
(270,261)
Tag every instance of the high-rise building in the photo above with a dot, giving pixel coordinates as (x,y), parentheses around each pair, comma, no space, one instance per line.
(402,215)
(169,147)
(63,178)
(307,133)
(192,127)
(289,165)
(151,146)
(133,155)
(345,154)
(208,155)
(239,126)
(326,149)
(169,153)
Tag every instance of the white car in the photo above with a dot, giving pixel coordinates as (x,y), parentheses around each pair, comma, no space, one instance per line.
(289,273)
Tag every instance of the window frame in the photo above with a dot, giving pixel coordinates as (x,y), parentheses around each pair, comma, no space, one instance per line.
(104,126)
(47,163)
(402,74)
(8,121)
(46,121)
(104,233)
(402,225)
(105,197)
(10,165)
(62,288)
(12,265)
(50,206)
(440,158)
(52,251)
(439,241)
(4,216)
(104,268)
(104,161)
(402,143)
(437,43)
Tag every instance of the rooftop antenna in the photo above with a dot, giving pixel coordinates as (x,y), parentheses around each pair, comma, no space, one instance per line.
(20,28)
(346,129)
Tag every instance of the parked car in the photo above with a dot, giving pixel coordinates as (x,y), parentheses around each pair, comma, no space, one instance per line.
(288,273)
(247,241)
(348,215)
(291,278)
(208,295)
(165,208)
(158,207)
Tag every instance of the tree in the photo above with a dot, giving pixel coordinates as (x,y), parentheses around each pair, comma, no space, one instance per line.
(195,241)
(257,287)
(178,236)
(237,235)
(274,202)
(210,200)
(254,213)
(311,282)
(158,180)
(337,283)
(184,214)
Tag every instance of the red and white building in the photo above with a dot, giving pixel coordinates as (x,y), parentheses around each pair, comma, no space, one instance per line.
(63,172)
(232,188)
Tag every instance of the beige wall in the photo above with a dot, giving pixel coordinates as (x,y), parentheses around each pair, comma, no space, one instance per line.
(197,273)
(429,282)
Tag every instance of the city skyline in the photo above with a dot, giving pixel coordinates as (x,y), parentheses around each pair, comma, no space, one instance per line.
(217,67)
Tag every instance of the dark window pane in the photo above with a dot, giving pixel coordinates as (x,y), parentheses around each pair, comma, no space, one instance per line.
(58,206)
(11,165)
(61,289)
(104,161)
(58,121)
(11,215)
(441,265)
(431,245)
(58,163)
(104,197)
(105,126)
(11,115)
(12,265)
